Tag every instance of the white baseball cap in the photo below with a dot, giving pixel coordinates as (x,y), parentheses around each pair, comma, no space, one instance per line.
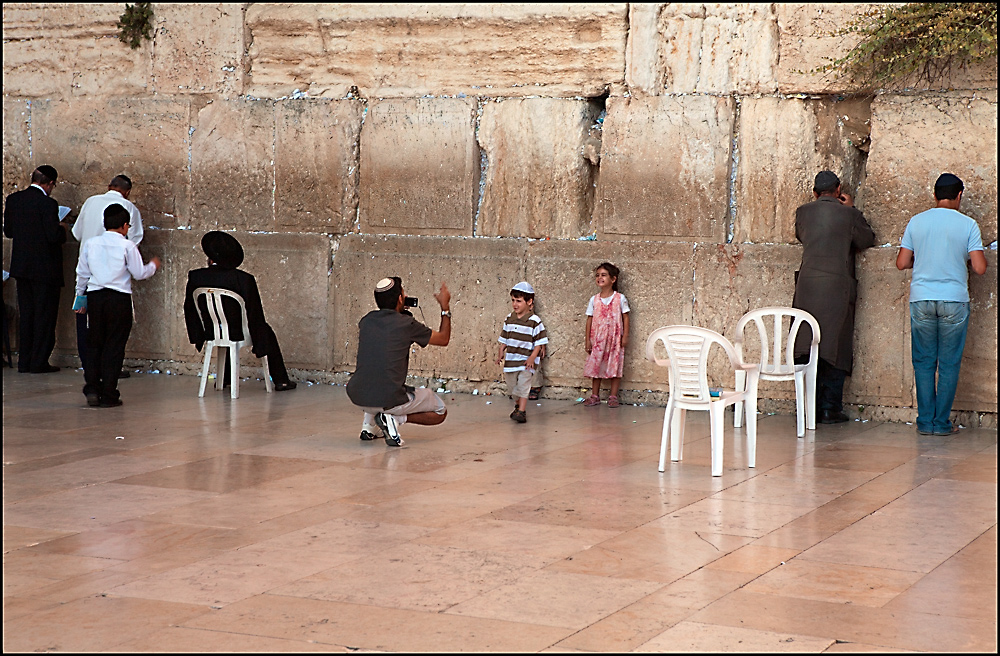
(523,286)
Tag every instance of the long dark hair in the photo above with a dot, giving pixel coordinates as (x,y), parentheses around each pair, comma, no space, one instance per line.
(612,271)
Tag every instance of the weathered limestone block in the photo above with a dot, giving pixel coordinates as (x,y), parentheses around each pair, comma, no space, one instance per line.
(316,157)
(292,273)
(783,143)
(538,182)
(90,141)
(883,373)
(805,43)
(199,48)
(665,168)
(155,300)
(479,274)
(53,50)
(419,167)
(393,51)
(655,278)
(232,166)
(729,281)
(17,166)
(977,384)
(914,140)
(711,48)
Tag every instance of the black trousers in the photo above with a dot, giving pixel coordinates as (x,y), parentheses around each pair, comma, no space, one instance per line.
(38,305)
(110,319)
(829,385)
(275,362)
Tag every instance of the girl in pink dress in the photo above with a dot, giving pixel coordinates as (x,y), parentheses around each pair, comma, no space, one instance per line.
(607,334)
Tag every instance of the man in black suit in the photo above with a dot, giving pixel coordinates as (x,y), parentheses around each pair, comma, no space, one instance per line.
(31,220)
(225,254)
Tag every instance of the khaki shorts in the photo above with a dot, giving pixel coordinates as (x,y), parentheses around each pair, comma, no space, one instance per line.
(421,400)
(519,383)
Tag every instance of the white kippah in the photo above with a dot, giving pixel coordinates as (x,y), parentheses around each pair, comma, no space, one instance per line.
(384,285)
(523,286)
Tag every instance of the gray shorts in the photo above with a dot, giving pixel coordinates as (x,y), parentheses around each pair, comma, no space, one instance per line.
(519,383)
(421,400)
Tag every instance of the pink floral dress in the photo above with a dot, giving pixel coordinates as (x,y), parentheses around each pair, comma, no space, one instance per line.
(606,359)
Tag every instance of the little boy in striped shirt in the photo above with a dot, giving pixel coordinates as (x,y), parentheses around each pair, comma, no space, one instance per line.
(521,342)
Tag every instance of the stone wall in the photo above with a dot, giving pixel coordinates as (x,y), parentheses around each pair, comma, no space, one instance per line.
(485,144)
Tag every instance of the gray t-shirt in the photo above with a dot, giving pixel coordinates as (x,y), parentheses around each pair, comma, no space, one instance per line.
(384,338)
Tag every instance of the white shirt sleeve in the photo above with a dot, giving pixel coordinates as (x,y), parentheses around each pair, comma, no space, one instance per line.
(590,307)
(135,224)
(625,307)
(82,272)
(133,261)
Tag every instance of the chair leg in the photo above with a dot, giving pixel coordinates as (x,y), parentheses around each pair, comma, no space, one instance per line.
(811,396)
(800,404)
(234,371)
(741,384)
(204,369)
(717,419)
(665,434)
(752,427)
(268,383)
(677,426)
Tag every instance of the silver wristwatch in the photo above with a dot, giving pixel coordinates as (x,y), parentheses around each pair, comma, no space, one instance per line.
(446,313)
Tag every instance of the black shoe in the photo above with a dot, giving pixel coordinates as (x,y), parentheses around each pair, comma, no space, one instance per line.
(368,437)
(283,387)
(832,417)
(46,369)
(93,399)
(389,429)
(520,416)
(124,374)
(111,403)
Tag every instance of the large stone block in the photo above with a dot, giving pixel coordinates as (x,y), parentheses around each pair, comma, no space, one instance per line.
(479,274)
(17,166)
(155,300)
(665,166)
(977,384)
(715,48)
(199,48)
(53,50)
(806,42)
(655,277)
(90,141)
(538,182)
(883,374)
(729,281)
(783,143)
(419,167)
(915,138)
(316,161)
(232,166)
(396,50)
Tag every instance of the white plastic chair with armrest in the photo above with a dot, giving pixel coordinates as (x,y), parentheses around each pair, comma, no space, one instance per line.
(220,328)
(777,359)
(687,351)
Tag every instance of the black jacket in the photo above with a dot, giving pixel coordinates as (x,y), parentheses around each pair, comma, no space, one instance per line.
(234,280)
(31,220)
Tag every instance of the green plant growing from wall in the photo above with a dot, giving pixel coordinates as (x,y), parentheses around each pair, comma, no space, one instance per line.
(916,42)
(135,24)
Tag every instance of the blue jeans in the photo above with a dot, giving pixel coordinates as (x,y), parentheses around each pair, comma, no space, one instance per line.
(937,339)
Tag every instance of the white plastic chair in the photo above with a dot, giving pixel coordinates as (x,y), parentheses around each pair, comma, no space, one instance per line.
(220,328)
(687,349)
(777,360)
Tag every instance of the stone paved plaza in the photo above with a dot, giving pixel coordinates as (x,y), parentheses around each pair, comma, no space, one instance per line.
(175,523)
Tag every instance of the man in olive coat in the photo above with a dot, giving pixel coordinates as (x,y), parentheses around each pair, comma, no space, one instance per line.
(831,231)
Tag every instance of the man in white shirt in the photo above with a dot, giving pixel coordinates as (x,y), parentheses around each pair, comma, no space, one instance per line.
(90,223)
(108,263)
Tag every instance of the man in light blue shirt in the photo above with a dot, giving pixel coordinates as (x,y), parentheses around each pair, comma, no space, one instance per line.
(937,244)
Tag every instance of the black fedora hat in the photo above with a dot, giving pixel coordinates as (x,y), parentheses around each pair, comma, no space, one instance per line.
(223,249)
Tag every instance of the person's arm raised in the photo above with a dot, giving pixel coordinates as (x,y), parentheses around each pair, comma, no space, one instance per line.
(442,335)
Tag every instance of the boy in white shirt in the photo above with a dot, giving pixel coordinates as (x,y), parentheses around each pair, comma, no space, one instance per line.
(521,342)
(108,263)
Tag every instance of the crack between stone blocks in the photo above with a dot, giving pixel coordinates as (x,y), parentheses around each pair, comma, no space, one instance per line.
(483,165)
(734,163)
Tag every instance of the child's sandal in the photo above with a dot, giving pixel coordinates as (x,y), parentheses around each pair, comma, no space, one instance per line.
(592,401)
(533,393)
(613,402)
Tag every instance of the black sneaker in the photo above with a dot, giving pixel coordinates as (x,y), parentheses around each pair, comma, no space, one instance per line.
(368,437)
(110,403)
(388,425)
(520,416)
(93,399)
